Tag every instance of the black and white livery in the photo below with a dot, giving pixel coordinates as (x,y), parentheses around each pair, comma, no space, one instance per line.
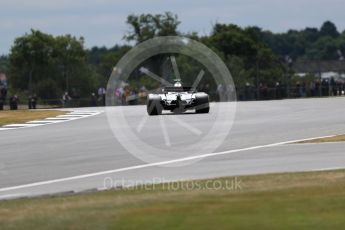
(178,99)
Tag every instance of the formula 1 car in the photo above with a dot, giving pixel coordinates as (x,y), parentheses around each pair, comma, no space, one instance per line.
(178,99)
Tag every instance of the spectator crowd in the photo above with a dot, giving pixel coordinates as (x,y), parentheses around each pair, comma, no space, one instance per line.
(129,95)
(301,89)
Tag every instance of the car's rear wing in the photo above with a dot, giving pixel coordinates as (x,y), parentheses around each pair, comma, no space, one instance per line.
(178,89)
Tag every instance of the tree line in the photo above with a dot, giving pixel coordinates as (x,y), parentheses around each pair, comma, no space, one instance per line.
(50,65)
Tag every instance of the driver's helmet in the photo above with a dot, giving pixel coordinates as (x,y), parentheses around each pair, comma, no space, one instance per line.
(177,84)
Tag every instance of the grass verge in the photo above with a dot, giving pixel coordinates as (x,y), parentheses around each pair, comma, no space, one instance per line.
(314,200)
(338,138)
(22,116)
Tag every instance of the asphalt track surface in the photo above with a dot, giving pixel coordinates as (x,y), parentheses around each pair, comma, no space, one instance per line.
(84,155)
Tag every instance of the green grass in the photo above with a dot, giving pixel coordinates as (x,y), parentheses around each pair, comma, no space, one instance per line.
(22,116)
(277,201)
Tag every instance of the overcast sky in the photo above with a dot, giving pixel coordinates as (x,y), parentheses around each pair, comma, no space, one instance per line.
(102,22)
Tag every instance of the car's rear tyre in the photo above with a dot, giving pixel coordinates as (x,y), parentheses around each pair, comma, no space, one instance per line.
(154,106)
(202,103)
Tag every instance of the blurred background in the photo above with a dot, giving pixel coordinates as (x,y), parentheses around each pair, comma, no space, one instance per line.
(62,54)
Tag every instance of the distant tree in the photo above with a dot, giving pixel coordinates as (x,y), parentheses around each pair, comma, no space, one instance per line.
(146,26)
(95,54)
(240,73)
(4,64)
(247,57)
(329,29)
(311,34)
(109,60)
(231,39)
(309,43)
(341,45)
(325,48)
(38,59)
(100,63)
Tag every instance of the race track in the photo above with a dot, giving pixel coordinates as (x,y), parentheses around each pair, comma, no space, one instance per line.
(82,154)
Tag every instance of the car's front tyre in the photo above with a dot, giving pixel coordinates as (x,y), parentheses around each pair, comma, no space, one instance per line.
(202,103)
(154,106)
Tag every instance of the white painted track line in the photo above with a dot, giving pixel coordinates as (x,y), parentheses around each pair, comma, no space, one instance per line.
(20,125)
(70,116)
(3,129)
(40,122)
(57,118)
(142,166)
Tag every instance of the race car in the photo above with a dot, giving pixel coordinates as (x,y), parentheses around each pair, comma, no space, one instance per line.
(178,99)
